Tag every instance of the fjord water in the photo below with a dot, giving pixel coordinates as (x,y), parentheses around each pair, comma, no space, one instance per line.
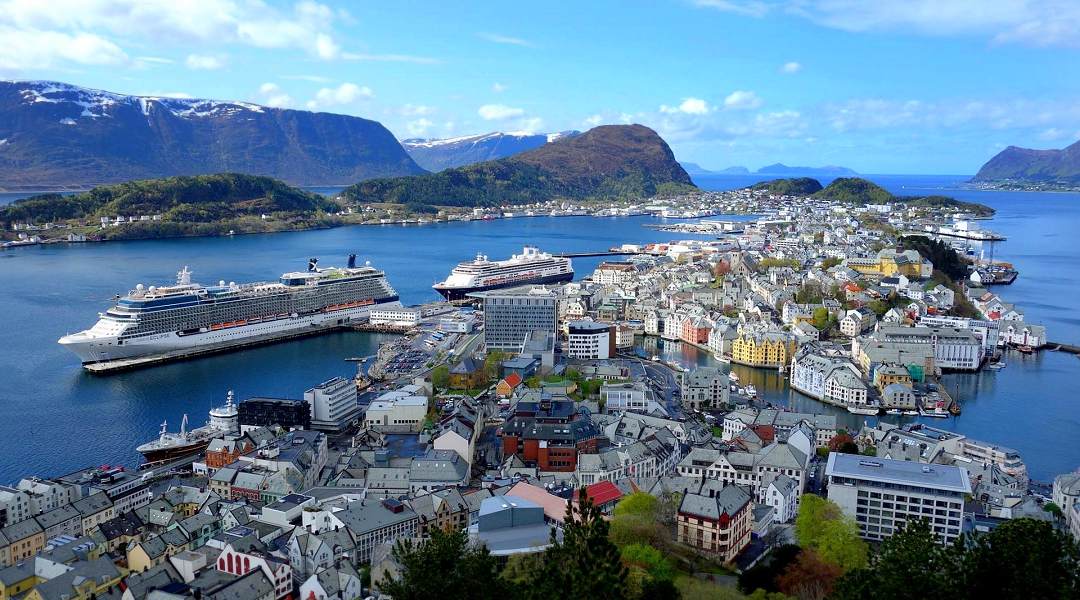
(55,418)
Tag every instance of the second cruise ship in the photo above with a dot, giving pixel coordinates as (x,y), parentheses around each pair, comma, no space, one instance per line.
(155,324)
(481,274)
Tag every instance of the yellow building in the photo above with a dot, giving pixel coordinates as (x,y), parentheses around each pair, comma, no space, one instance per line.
(86,580)
(888,374)
(771,349)
(888,262)
(17,580)
(21,541)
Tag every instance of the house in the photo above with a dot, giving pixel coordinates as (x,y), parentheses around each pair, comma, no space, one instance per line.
(468,374)
(604,495)
(338,582)
(857,321)
(719,526)
(506,386)
(510,524)
(783,496)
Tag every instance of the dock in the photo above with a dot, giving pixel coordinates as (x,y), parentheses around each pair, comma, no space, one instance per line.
(597,253)
(1059,347)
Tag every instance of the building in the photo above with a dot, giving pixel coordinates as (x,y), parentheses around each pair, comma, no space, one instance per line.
(719,525)
(510,315)
(549,433)
(268,412)
(705,388)
(630,396)
(825,374)
(468,374)
(590,340)
(771,349)
(881,494)
(614,273)
(395,317)
(889,262)
(333,405)
(954,348)
(857,321)
(400,411)
(509,525)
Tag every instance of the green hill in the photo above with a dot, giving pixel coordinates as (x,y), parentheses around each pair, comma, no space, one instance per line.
(795,186)
(1025,166)
(855,190)
(611,161)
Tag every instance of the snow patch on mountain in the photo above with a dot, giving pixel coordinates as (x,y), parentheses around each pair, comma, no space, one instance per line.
(97,103)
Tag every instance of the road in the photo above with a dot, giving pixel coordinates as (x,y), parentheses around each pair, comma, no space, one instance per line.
(665,383)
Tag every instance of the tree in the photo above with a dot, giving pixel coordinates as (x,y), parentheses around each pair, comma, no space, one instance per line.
(584,564)
(650,572)
(1021,558)
(440,377)
(493,363)
(821,318)
(635,519)
(764,574)
(1053,509)
(444,566)
(821,526)
(829,263)
(843,443)
(913,549)
(810,577)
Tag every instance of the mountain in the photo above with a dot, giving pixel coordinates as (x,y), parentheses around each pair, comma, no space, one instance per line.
(782,169)
(187,205)
(1027,166)
(797,186)
(436,155)
(607,161)
(734,171)
(54,135)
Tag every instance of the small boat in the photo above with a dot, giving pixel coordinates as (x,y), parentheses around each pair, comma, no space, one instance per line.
(751,391)
(733,376)
(894,411)
(996,366)
(1025,349)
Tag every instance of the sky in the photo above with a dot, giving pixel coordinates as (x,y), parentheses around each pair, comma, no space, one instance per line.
(882,86)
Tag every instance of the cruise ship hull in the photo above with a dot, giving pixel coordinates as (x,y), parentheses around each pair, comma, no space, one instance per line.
(459,293)
(103,354)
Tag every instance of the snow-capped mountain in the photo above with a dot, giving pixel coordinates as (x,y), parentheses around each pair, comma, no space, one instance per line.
(439,154)
(61,135)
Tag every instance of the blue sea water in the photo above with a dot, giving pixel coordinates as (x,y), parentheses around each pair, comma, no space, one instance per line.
(55,418)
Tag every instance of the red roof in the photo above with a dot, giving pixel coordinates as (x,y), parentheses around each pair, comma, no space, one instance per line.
(513,380)
(601,493)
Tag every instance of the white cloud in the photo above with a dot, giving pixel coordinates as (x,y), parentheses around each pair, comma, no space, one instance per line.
(35,49)
(742,100)
(791,67)
(593,120)
(155,60)
(272,95)
(504,39)
(499,112)
(689,106)
(40,34)
(201,62)
(498,88)
(530,124)
(346,93)
(402,58)
(1032,22)
(415,110)
(419,127)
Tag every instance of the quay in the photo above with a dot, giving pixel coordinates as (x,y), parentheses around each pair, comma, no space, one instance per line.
(597,253)
(1058,347)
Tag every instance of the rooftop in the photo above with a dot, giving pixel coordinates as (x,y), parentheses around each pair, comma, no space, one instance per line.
(901,472)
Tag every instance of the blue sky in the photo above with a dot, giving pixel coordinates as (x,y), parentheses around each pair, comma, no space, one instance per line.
(920,86)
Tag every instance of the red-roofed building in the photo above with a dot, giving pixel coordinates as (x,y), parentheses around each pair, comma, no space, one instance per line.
(603,494)
(508,384)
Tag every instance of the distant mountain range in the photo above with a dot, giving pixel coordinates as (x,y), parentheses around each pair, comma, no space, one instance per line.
(696,169)
(55,135)
(782,169)
(604,162)
(438,154)
(1025,166)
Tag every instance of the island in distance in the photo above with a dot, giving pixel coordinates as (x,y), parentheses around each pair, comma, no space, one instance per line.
(773,169)
(57,136)
(1027,168)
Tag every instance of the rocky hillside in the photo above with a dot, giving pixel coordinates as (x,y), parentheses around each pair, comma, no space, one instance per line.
(604,162)
(797,186)
(436,155)
(1028,166)
(55,135)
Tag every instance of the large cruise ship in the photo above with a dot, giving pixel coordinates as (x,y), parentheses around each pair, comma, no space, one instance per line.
(531,266)
(160,323)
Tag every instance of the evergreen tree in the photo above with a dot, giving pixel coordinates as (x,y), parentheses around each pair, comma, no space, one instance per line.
(1021,558)
(913,549)
(445,567)
(585,563)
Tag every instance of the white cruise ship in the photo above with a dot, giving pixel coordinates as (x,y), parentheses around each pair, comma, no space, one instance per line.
(531,266)
(161,323)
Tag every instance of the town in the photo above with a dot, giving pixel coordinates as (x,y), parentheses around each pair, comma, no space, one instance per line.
(502,415)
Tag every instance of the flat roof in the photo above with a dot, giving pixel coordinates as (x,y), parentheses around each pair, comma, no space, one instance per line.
(901,472)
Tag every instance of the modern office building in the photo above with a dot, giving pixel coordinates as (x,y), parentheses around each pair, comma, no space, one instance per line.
(333,405)
(266,412)
(510,315)
(589,339)
(883,494)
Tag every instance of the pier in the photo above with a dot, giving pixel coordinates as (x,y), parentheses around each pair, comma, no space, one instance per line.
(1057,347)
(597,253)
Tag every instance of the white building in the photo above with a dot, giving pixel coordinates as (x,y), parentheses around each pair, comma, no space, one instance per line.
(589,339)
(396,317)
(333,404)
(397,411)
(632,397)
(954,348)
(782,495)
(705,387)
(882,494)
